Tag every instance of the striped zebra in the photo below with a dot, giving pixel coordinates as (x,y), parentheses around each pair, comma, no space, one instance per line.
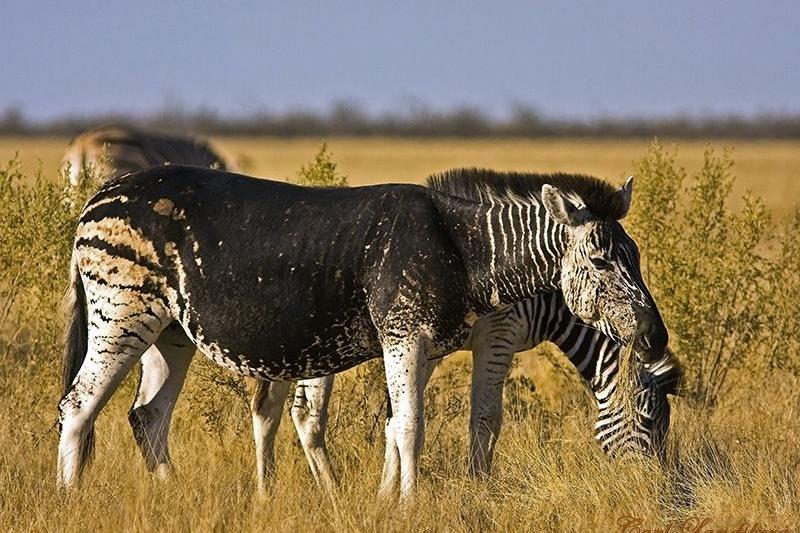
(595,355)
(282,282)
(494,340)
(130,149)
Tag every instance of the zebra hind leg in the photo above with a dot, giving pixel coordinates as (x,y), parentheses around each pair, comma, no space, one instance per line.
(164,367)
(114,344)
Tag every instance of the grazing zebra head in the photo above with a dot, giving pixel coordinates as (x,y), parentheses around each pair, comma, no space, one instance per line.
(525,233)
(597,358)
(642,429)
(600,273)
(130,149)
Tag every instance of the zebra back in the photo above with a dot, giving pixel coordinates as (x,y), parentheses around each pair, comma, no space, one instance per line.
(130,149)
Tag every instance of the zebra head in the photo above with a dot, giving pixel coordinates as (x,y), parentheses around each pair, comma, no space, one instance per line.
(600,274)
(641,429)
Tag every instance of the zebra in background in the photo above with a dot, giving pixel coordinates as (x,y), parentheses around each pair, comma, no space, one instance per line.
(495,339)
(281,282)
(129,149)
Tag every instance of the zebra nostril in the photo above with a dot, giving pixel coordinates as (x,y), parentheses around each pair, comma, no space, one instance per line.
(642,342)
(651,337)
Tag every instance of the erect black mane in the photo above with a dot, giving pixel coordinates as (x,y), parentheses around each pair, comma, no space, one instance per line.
(474,184)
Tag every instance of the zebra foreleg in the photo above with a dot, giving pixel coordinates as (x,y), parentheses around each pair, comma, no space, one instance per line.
(310,416)
(489,371)
(391,459)
(266,408)
(406,368)
(164,367)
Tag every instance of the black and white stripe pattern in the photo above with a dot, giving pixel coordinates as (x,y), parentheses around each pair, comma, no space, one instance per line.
(595,355)
(526,240)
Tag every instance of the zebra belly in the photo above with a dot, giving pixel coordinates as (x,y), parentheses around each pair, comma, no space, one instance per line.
(309,349)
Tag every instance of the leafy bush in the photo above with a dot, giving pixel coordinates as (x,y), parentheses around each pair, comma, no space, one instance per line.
(38,226)
(322,171)
(727,282)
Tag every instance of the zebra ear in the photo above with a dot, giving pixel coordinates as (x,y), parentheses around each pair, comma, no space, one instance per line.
(625,194)
(560,208)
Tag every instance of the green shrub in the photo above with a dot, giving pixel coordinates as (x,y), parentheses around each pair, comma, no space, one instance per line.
(322,171)
(38,226)
(726,282)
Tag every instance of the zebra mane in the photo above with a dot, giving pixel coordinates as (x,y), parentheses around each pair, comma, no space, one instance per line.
(477,184)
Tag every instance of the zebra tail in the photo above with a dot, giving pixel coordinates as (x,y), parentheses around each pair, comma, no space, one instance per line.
(76,344)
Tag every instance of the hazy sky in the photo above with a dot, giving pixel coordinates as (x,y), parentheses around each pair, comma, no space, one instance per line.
(566,58)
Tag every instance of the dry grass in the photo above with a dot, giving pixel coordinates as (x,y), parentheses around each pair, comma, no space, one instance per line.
(735,465)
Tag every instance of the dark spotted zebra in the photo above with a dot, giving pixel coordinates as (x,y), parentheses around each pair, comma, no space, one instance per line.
(282,282)
(494,340)
(130,149)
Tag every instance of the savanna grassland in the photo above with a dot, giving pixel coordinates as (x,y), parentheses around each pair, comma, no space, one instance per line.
(724,269)
(768,168)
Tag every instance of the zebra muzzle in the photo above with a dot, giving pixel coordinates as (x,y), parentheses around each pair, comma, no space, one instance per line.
(651,338)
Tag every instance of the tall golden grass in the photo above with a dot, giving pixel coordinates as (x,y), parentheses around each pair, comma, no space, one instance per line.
(731,463)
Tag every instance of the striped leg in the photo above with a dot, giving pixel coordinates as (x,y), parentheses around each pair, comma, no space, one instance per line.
(164,367)
(486,416)
(310,416)
(494,340)
(266,407)
(115,343)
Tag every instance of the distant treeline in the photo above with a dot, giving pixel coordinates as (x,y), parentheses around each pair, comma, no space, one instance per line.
(351,120)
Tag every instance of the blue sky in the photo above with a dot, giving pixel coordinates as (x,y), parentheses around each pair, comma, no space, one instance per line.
(573,59)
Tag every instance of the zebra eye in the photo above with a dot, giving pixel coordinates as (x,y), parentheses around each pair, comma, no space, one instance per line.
(601,263)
